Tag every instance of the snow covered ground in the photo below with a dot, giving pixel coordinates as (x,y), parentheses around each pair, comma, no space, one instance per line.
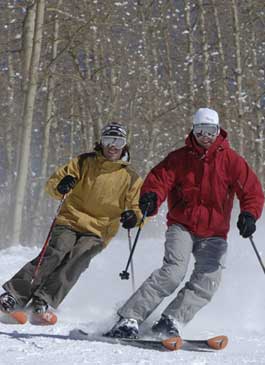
(237,310)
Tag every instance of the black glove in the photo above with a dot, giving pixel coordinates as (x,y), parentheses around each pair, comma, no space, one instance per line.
(246,224)
(128,219)
(148,201)
(66,184)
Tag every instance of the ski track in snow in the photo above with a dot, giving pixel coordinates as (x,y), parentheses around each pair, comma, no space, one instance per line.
(33,345)
(236,311)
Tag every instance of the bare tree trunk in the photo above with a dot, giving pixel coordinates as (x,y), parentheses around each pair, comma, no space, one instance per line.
(98,102)
(11,116)
(225,94)
(113,79)
(190,55)
(72,127)
(152,98)
(257,108)
(10,127)
(205,49)
(8,137)
(27,42)
(27,121)
(166,31)
(150,155)
(238,73)
(87,131)
(87,121)
(27,46)
(49,117)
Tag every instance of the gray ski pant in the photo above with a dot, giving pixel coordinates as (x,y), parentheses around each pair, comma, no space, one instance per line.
(209,254)
(67,256)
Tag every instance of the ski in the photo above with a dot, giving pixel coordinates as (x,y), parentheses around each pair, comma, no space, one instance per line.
(168,344)
(213,343)
(178,343)
(43,319)
(15,317)
(21,317)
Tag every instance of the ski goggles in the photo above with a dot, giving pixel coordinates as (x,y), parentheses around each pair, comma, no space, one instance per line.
(117,142)
(206,130)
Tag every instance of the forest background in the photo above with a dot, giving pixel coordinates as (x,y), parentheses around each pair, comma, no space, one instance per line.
(67,67)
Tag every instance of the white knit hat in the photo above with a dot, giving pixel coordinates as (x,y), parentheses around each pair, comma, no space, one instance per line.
(206,116)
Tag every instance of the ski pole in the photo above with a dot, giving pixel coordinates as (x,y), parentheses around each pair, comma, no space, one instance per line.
(257,253)
(132,265)
(44,248)
(124,274)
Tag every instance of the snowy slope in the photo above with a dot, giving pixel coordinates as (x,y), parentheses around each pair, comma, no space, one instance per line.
(237,310)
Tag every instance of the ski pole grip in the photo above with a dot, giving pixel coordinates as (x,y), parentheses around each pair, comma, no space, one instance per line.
(124,275)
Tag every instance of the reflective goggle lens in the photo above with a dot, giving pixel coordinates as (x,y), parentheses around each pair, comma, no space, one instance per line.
(205,130)
(117,142)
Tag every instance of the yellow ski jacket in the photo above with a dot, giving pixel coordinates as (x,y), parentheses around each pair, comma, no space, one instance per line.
(104,189)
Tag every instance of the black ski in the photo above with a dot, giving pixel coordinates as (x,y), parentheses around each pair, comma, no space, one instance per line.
(169,344)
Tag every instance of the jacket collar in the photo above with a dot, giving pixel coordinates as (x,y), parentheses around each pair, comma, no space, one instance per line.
(111,164)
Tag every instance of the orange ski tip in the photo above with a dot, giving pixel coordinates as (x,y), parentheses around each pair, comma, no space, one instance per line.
(45,319)
(19,317)
(218,342)
(172,343)
(52,318)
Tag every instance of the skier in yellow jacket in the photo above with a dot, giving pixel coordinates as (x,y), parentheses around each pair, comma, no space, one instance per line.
(100,190)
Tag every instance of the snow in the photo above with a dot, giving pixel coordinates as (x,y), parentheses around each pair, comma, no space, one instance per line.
(237,310)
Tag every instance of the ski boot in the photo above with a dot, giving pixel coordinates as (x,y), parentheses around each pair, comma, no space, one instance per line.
(7,302)
(124,328)
(166,327)
(10,313)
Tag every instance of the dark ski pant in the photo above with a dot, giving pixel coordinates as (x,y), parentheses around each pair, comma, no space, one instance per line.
(67,256)
(209,255)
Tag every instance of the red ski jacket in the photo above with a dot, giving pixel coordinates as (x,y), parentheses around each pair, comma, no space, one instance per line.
(200,186)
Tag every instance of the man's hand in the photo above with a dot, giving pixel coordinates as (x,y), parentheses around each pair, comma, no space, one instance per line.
(66,184)
(128,219)
(246,224)
(148,201)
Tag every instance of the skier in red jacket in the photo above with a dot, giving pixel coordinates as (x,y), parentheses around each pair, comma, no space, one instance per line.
(200,181)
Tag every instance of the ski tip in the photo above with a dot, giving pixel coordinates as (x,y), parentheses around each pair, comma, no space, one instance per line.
(218,342)
(44,319)
(172,343)
(18,317)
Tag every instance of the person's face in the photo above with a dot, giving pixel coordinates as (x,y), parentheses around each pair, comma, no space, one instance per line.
(112,153)
(112,147)
(205,141)
(205,135)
